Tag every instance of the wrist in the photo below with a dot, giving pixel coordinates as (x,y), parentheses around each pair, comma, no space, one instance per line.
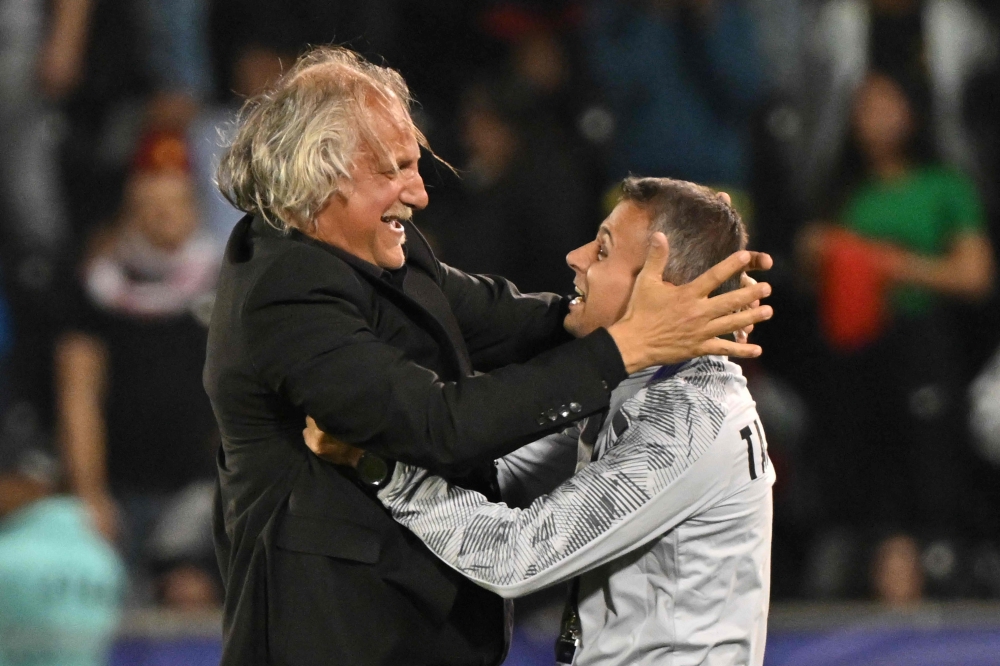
(629,348)
(373,470)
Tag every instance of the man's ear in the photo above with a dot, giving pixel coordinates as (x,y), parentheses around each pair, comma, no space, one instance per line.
(657,254)
(666,256)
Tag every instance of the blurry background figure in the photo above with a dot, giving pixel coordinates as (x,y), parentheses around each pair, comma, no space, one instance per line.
(177,56)
(933,47)
(897,577)
(682,78)
(522,204)
(135,424)
(909,236)
(42,58)
(984,396)
(61,583)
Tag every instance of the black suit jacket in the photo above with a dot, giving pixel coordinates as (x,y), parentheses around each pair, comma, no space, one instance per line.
(316,572)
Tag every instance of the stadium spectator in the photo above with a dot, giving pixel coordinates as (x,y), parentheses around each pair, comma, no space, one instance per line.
(682,79)
(932,46)
(135,425)
(61,583)
(42,58)
(522,196)
(909,236)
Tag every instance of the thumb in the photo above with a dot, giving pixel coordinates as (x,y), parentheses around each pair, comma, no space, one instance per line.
(656,257)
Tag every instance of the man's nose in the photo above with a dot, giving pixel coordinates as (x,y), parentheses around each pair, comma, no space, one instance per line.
(577,259)
(414,194)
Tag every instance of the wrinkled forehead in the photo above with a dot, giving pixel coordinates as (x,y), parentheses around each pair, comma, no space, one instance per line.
(387,134)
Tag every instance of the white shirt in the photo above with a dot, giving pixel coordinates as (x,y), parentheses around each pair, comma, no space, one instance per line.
(670,527)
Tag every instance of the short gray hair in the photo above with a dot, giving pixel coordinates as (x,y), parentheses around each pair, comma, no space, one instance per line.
(295,145)
(702,228)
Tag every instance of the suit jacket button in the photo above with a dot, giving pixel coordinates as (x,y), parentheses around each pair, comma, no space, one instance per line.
(541,420)
(552,415)
(575,407)
(604,385)
(564,411)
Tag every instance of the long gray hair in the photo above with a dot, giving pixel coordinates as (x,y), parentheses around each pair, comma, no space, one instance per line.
(294,146)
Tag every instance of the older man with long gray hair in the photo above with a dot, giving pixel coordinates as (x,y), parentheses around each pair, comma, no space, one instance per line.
(332,304)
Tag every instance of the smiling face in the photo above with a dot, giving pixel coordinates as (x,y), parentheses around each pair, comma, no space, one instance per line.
(606,269)
(365,217)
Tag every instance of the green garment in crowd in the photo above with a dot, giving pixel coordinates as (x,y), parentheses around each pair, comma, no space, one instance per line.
(61,587)
(924,212)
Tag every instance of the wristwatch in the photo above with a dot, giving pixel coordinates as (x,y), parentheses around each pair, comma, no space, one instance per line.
(374,471)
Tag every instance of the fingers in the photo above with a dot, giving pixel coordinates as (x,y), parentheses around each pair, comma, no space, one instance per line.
(726,198)
(760,261)
(722,347)
(709,281)
(656,258)
(740,299)
(746,280)
(739,320)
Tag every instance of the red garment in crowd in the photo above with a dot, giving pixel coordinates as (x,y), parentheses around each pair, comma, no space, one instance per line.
(853,281)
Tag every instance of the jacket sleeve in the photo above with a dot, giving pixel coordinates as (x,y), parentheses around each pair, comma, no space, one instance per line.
(501,325)
(653,478)
(537,468)
(309,341)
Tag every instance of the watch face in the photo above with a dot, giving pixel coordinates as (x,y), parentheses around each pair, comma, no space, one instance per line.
(372,469)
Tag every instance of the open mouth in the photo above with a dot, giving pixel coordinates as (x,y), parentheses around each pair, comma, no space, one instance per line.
(395,222)
(580,298)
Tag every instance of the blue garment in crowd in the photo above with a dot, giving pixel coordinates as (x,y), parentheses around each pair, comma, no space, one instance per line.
(682,91)
(61,587)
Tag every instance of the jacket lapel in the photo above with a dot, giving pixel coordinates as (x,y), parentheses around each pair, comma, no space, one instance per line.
(421,297)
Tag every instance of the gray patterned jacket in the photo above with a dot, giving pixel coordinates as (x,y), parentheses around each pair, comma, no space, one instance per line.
(670,526)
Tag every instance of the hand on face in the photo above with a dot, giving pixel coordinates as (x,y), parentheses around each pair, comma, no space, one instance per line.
(677,323)
(665,324)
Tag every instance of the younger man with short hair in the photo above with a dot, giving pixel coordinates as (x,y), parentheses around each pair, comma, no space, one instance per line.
(668,521)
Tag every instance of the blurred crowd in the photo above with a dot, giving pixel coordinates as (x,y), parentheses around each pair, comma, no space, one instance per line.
(855,136)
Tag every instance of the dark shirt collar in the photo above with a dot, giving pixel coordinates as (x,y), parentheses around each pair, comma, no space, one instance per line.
(394,277)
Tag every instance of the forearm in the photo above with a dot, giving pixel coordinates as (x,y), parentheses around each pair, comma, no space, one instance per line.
(537,468)
(407,413)
(967,271)
(506,550)
(611,507)
(80,377)
(500,325)
(84,453)
(70,24)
